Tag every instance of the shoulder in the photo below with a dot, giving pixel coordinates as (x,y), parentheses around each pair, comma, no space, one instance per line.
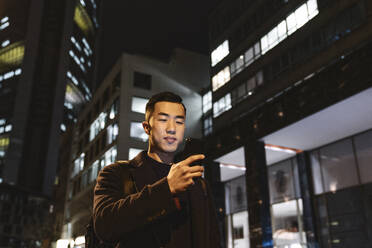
(123,165)
(114,169)
(113,173)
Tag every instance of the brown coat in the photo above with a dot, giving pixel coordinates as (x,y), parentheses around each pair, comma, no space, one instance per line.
(129,206)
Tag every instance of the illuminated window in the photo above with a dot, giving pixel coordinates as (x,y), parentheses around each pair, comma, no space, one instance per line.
(97,125)
(8,75)
(137,131)
(74,41)
(78,165)
(207,126)
(272,38)
(4,126)
(114,109)
(63,127)
(248,56)
(301,15)
(83,20)
(86,44)
(82,67)
(68,105)
(5,19)
(73,94)
(294,21)
(291,23)
(110,155)
(221,78)
(112,133)
(222,105)
(133,152)
(287,227)
(86,51)
(4,25)
(139,104)
(220,52)
(5,43)
(312,8)
(4,142)
(94,171)
(207,102)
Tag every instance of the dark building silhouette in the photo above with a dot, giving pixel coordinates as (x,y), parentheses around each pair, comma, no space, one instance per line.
(47,65)
(47,62)
(288,122)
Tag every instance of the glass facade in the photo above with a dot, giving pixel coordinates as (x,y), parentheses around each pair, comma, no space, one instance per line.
(341,179)
(286,27)
(236,213)
(342,164)
(363,149)
(286,205)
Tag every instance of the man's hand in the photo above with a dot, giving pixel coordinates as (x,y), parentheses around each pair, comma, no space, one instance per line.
(181,174)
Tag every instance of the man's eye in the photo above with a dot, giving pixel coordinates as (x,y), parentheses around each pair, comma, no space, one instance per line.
(180,122)
(162,120)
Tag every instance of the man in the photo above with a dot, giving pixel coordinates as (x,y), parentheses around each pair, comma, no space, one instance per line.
(151,202)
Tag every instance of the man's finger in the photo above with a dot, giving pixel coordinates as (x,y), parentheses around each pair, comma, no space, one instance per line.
(193,158)
(196,168)
(195,174)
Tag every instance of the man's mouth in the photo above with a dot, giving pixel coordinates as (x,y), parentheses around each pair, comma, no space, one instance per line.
(170,140)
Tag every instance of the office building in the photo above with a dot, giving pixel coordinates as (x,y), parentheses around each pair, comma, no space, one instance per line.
(44,80)
(47,51)
(288,122)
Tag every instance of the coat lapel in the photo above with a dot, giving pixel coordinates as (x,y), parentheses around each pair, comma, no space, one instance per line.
(141,171)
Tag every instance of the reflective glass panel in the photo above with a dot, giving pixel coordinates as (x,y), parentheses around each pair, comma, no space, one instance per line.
(286,226)
(363,147)
(338,166)
(281,182)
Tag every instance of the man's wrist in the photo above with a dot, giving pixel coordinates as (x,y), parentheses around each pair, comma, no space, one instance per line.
(171,188)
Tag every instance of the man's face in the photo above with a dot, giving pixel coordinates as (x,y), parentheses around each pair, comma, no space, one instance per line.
(166,126)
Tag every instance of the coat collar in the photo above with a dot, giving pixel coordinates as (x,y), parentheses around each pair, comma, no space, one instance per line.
(142,172)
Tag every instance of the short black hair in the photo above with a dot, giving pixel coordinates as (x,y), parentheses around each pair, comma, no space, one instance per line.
(165,96)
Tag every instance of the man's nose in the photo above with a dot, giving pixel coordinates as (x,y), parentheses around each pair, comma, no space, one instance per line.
(171,127)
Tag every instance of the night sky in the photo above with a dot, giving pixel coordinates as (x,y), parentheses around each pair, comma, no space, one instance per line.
(153,28)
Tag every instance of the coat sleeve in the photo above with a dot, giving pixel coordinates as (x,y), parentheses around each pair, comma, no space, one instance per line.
(116,214)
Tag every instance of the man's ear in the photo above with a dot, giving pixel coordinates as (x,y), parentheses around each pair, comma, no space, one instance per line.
(146,126)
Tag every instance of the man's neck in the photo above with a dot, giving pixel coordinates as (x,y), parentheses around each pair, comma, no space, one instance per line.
(162,157)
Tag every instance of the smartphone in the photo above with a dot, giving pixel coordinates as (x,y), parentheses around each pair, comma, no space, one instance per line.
(192,147)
